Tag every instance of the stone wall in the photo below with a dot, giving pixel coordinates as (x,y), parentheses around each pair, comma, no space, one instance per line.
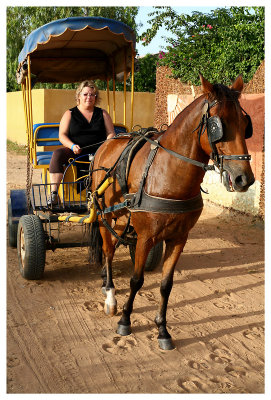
(167,86)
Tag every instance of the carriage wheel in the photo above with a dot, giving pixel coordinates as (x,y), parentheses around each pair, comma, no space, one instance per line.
(31,247)
(154,257)
(12,227)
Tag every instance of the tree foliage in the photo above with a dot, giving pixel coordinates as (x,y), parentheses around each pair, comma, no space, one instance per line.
(145,76)
(21,21)
(221,45)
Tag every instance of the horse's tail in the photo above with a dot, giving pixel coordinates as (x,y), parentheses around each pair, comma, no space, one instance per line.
(95,244)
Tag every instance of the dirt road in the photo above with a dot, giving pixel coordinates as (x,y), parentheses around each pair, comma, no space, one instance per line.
(60,341)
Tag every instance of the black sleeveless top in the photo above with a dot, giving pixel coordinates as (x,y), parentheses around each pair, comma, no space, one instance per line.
(84,133)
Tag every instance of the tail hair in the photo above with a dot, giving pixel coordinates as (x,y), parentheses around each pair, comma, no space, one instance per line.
(95,245)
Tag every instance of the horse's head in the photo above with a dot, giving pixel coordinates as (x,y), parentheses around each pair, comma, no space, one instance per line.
(228,126)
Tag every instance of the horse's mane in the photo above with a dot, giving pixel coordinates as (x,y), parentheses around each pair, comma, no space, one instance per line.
(221,92)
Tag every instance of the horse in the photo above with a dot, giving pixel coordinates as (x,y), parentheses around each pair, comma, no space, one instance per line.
(214,126)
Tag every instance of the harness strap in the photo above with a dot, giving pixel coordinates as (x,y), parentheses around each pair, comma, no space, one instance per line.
(141,201)
(156,204)
(238,157)
(205,167)
(125,242)
(149,162)
(100,212)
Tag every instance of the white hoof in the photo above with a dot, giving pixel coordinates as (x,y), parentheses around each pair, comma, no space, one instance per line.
(110,305)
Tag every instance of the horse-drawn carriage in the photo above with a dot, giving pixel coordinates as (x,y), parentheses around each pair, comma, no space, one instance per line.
(65,51)
(143,186)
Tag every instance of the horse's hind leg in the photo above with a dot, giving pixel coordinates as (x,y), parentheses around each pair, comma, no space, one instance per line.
(172,254)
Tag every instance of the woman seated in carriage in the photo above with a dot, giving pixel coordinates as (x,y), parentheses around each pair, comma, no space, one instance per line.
(82,129)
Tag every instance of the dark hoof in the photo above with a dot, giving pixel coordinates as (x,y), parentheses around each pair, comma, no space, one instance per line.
(166,344)
(124,330)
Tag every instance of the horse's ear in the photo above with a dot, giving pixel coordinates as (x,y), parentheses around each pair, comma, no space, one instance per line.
(206,86)
(238,84)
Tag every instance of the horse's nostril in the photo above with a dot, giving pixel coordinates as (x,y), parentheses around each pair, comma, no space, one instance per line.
(241,181)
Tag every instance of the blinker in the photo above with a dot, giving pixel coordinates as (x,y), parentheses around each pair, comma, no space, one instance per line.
(249,128)
(214,129)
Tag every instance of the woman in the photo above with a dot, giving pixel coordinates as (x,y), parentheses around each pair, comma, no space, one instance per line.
(81,126)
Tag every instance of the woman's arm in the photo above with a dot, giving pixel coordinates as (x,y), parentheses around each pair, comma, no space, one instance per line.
(110,132)
(64,133)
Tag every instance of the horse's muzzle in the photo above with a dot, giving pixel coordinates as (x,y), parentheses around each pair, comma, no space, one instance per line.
(237,181)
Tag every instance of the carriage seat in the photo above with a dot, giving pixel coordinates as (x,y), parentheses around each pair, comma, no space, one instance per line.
(46,135)
(119,129)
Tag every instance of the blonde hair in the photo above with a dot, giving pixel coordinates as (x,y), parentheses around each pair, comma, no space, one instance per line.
(91,85)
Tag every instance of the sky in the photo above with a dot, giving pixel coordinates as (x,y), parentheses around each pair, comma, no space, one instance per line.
(158,42)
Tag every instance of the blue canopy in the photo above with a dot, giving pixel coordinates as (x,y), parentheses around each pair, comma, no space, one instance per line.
(78,48)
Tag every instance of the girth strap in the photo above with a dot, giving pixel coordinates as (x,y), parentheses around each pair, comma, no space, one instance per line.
(161,205)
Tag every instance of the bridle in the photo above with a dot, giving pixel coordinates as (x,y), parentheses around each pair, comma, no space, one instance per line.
(214,128)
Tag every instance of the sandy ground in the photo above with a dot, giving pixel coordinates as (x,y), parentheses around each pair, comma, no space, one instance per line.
(60,341)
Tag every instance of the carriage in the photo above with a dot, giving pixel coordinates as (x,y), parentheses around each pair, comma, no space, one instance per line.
(66,51)
(145,187)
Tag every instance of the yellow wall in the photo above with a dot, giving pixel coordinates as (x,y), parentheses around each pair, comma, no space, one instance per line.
(16,127)
(50,104)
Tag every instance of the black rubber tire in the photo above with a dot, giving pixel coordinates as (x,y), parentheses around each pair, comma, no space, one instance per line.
(12,227)
(154,257)
(31,247)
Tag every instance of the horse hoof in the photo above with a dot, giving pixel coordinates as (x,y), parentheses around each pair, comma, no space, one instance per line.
(110,309)
(124,330)
(166,344)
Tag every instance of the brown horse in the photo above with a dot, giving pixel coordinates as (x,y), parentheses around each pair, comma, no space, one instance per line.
(195,136)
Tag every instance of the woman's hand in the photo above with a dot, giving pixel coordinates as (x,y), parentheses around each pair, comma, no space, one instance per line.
(76,149)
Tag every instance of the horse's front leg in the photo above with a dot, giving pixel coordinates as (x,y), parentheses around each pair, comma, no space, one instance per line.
(108,288)
(172,254)
(142,250)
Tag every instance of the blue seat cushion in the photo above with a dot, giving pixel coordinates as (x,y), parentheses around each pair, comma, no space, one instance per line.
(44,157)
(44,133)
(119,129)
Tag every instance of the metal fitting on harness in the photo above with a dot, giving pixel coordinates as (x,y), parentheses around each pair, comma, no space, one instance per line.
(153,146)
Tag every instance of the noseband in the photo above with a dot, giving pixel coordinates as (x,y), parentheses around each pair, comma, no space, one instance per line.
(215,134)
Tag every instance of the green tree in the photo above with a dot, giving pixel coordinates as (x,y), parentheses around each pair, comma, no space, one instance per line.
(21,21)
(145,76)
(221,45)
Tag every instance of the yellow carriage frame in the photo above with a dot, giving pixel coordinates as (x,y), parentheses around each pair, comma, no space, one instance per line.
(85,31)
